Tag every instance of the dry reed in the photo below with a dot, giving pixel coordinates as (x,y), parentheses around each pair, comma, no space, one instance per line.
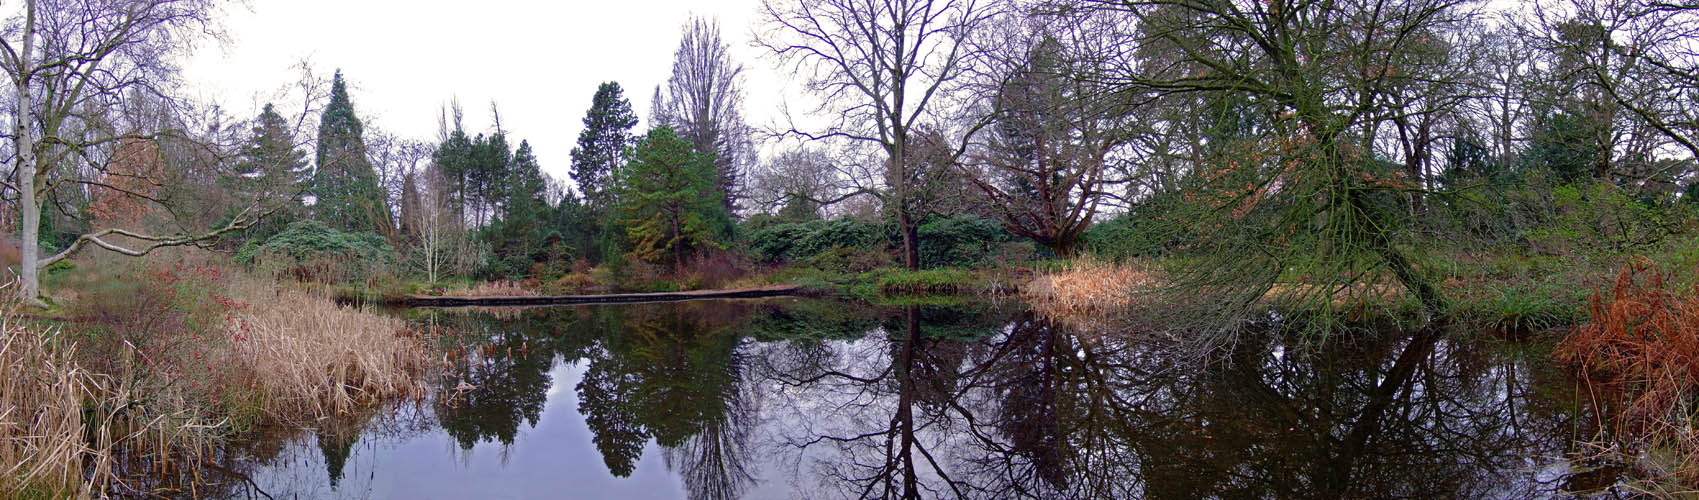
(312,358)
(42,396)
(1088,287)
(1642,346)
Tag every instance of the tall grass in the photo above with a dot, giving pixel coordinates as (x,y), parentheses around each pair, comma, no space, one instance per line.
(1641,349)
(185,353)
(311,358)
(42,396)
(1087,286)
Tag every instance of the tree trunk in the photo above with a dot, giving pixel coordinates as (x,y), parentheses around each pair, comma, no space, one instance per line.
(28,230)
(905,401)
(911,239)
(678,246)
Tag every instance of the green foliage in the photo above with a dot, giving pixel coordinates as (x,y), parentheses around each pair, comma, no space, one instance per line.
(272,171)
(602,145)
(902,281)
(1596,218)
(520,236)
(1566,144)
(795,241)
(959,241)
(849,260)
(270,164)
(345,185)
(454,155)
(1118,238)
(668,203)
(1146,229)
(309,250)
(963,240)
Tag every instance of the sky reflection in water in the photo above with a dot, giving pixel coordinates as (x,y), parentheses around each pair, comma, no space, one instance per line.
(818,399)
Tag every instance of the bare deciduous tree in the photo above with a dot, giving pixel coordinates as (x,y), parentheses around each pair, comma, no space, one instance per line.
(72,67)
(1045,167)
(884,71)
(704,101)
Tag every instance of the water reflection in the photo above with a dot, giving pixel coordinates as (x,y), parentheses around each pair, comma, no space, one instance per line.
(787,399)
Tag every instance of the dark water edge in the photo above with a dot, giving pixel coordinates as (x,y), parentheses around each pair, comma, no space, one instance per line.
(806,398)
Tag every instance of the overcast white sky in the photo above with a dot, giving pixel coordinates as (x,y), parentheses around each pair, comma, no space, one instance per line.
(540,61)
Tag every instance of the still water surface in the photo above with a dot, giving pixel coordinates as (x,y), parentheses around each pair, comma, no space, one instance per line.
(797,398)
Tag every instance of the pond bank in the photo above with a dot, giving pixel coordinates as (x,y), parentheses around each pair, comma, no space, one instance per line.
(618,298)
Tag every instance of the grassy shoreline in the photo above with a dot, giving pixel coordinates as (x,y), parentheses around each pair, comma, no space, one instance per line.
(224,353)
(154,362)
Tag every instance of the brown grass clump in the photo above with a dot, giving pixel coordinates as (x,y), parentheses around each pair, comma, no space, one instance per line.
(42,396)
(575,282)
(1088,287)
(311,358)
(1642,348)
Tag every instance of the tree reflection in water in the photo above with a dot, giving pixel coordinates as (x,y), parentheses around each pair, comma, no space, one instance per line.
(1035,412)
(987,401)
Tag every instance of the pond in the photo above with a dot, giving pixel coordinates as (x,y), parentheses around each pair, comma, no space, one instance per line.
(805,398)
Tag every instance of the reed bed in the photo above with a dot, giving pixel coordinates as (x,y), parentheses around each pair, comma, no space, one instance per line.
(1088,287)
(176,357)
(42,396)
(312,358)
(1640,355)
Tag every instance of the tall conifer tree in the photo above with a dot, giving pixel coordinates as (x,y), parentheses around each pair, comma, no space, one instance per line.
(668,200)
(601,146)
(345,185)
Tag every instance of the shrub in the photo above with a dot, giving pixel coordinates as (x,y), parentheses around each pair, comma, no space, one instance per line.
(1642,343)
(849,260)
(790,242)
(712,269)
(309,251)
(1599,217)
(898,281)
(161,311)
(960,241)
(1148,228)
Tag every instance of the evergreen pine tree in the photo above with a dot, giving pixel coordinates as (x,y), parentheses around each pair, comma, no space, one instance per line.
(518,233)
(273,170)
(454,157)
(601,146)
(270,163)
(486,174)
(345,184)
(669,202)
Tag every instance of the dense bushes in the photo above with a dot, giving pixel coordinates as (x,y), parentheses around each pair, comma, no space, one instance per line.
(1147,228)
(310,251)
(790,242)
(959,241)
(1600,217)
